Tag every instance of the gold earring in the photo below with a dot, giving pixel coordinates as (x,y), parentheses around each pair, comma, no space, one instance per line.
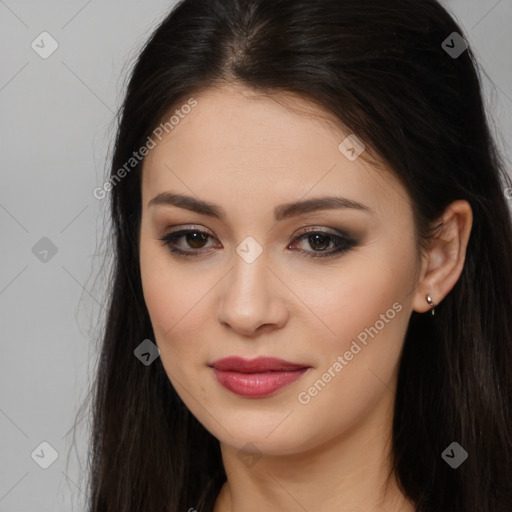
(431,303)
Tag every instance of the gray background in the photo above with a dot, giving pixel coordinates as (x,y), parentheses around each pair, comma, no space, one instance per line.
(56,131)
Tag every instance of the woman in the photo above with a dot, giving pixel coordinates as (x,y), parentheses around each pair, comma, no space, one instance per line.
(310,303)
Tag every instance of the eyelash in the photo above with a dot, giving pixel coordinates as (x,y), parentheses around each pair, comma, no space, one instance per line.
(345,242)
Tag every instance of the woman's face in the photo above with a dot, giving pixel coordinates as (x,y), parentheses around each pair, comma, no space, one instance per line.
(336,301)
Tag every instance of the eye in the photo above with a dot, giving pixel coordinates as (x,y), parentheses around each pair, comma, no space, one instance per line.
(319,240)
(195,238)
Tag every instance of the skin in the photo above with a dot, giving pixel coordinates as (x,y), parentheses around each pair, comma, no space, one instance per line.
(247,154)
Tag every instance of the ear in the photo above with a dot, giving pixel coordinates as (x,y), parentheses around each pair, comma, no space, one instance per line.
(443,262)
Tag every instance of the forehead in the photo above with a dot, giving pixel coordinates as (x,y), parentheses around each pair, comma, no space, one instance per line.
(237,144)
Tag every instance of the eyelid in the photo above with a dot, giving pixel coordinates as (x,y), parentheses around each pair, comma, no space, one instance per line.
(301,231)
(187,227)
(321,229)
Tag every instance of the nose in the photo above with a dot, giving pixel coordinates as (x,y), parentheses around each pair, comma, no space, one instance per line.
(252,298)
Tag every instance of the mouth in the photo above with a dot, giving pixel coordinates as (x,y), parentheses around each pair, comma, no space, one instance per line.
(258,377)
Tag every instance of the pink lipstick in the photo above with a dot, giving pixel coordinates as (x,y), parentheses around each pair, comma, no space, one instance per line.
(257,377)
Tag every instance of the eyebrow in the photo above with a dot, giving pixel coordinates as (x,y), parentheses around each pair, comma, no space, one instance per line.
(281,212)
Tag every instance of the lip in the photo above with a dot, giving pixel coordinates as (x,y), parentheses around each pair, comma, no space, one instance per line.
(256,377)
(260,364)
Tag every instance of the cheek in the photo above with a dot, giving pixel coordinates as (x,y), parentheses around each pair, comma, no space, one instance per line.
(177,313)
(164,305)
(160,298)
(168,293)
(367,309)
(352,299)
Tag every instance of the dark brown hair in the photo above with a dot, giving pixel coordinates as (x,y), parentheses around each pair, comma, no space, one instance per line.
(379,67)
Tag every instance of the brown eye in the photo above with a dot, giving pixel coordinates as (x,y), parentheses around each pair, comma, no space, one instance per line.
(319,242)
(195,239)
